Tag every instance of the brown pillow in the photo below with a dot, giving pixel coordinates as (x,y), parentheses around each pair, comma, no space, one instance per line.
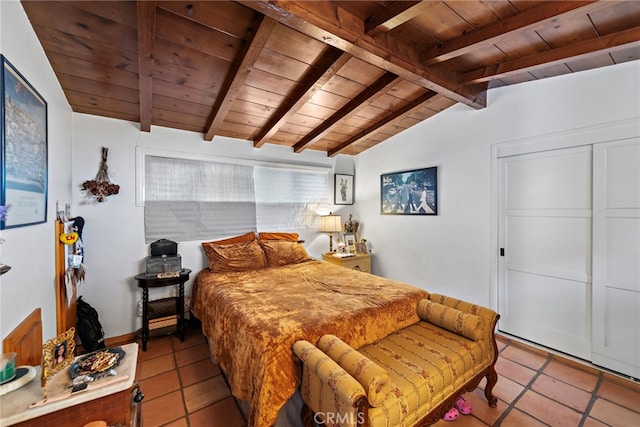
(234,257)
(237,239)
(293,237)
(281,252)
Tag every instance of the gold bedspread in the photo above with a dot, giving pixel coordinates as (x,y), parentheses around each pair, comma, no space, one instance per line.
(252,319)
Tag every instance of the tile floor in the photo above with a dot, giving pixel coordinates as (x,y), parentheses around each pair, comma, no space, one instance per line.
(183,387)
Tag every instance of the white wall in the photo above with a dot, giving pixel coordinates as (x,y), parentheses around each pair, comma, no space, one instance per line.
(30,251)
(451,253)
(113,235)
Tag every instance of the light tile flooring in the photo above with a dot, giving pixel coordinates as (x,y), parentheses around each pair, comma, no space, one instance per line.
(183,387)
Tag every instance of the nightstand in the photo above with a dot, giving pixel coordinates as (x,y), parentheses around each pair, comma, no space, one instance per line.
(168,311)
(356,262)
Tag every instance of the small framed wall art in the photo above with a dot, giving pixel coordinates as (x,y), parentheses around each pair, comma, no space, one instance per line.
(343,189)
(412,192)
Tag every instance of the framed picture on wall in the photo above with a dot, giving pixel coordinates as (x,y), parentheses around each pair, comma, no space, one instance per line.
(412,192)
(343,189)
(24,150)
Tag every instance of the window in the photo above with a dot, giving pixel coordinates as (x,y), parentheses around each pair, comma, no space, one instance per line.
(204,199)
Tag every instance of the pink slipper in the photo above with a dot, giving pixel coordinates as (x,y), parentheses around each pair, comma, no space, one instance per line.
(463,406)
(451,415)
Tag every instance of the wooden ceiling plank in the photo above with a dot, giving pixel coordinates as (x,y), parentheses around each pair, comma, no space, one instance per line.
(333,25)
(238,73)
(352,107)
(329,64)
(388,119)
(146,15)
(531,19)
(392,16)
(579,50)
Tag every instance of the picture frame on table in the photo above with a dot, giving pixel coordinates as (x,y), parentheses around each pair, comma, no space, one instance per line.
(411,192)
(24,149)
(350,242)
(361,248)
(343,189)
(57,354)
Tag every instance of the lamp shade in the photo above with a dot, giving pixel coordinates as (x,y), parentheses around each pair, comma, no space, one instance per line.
(330,223)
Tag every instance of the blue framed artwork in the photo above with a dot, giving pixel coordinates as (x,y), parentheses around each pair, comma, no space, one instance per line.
(413,192)
(24,150)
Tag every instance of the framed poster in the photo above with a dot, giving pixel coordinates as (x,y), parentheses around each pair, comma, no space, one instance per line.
(343,189)
(413,192)
(24,150)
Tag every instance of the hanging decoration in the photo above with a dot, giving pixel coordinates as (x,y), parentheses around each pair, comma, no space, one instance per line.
(101,187)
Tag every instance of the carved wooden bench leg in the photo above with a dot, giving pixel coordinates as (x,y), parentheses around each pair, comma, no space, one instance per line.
(492,379)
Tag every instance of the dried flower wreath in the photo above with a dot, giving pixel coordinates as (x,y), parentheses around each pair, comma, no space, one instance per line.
(101,187)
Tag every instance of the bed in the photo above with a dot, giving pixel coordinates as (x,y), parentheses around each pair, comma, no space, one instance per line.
(260,294)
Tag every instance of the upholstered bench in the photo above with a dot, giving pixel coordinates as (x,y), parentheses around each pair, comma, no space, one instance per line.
(411,377)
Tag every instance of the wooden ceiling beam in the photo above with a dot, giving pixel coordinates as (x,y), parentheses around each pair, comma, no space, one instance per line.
(388,119)
(392,16)
(331,24)
(531,19)
(368,95)
(146,17)
(616,41)
(326,67)
(238,73)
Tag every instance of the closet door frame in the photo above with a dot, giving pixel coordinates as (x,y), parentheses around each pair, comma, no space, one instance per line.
(606,132)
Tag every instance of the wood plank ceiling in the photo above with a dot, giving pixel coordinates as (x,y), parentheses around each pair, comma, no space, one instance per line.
(335,76)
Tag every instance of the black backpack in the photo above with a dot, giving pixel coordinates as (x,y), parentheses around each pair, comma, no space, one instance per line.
(88,326)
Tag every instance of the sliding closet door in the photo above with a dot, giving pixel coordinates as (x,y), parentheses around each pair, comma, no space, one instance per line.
(545,234)
(616,256)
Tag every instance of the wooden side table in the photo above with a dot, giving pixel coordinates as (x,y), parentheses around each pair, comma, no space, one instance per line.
(145,282)
(356,262)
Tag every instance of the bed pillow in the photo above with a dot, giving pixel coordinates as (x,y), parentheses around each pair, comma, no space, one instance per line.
(234,257)
(282,252)
(293,237)
(451,319)
(237,239)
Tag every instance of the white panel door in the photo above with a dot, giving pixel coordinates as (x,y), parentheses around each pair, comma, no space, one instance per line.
(616,256)
(545,213)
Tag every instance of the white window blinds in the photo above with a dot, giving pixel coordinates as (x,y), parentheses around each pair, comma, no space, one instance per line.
(188,199)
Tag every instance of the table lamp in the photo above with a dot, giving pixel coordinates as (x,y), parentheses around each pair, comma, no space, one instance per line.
(330,224)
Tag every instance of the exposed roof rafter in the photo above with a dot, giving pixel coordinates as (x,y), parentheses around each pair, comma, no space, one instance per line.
(621,40)
(241,68)
(146,17)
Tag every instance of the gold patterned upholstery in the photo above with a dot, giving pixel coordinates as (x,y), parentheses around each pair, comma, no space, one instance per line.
(375,379)
(428,363)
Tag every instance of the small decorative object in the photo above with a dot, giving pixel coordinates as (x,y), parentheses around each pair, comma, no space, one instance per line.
(350,242)
(23,131)
(361,247)
(69,238)
(343,189)
(351,226)
(413,192)
(101,187)
(8,367)
(3,213)
(341,246)
(57,354)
